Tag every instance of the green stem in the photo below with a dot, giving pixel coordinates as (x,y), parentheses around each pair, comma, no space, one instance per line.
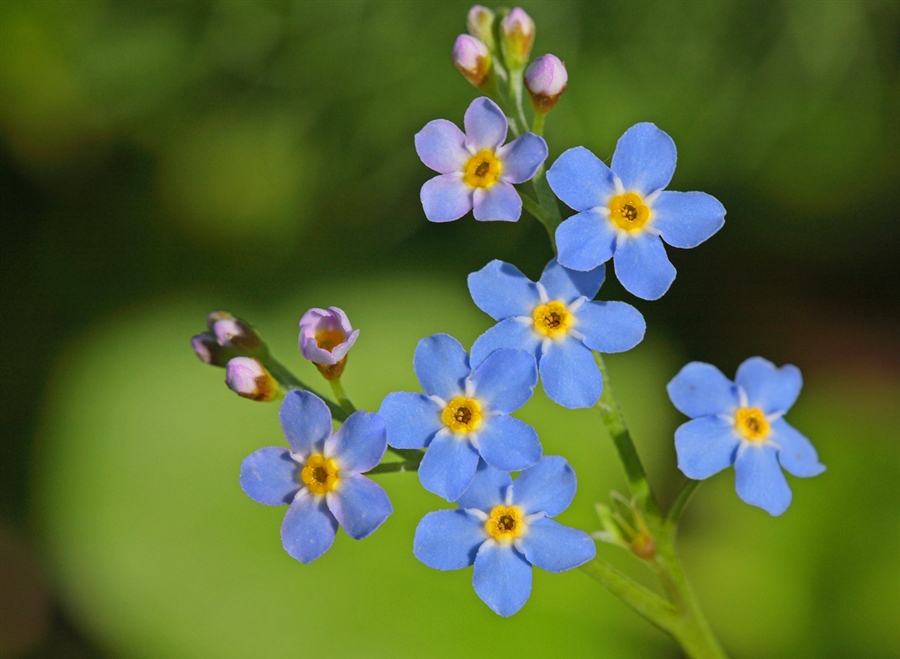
(338,390)
(408,454)
(681,502)
(515,86)
(393,467)
(537,126)
(650,605)
(290,381)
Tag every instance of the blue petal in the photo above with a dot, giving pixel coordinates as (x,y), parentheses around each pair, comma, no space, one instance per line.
(498,203)
(269,476)
(485,125)
(705,446)
(644,159)
(511,333)
(556,548)
(701,389)
(521,158)
(448,539)
(411,419)
(581,180)
(360,505)
(797,454)
(767,387)
(445,198)
(585,241)
(610,326)
(442,146)
(570,375)
(306,422)
(643,267)
(308,528)
(759,480)
(549,487)
(502,578)
(487,489)
(359,444)
(505,380)
(508,444)
(442,366)
(448,466)
(569,285)
(501,291)
(686,219)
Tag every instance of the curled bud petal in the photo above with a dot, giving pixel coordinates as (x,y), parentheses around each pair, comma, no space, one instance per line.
(209,351)
(472,58)
(546,80)
(247,377)
(326,336)
(232,332)
(516,38)
(480,24)
(213,316)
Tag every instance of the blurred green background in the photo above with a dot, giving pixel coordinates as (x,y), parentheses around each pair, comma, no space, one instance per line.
(160,160)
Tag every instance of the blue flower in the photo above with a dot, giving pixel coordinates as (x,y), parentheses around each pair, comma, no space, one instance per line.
(475,170)
(503,528)
(555,321)
(623,212)
(463,414)
(740,423)
(320,476)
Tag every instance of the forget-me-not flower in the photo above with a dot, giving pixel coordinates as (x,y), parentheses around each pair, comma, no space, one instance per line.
(463,414)
(476,169)
(740,423)
(625,214)
(503,528)
(320,476)
(555,320)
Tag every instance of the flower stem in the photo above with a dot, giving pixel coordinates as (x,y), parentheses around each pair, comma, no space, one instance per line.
(650,605)
(681,502)
(290,381)
(537,126)
(411,464)
(338,390)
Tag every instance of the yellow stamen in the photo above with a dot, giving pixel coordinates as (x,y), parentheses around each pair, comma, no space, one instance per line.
(627,211)
(482,170)
(321,474)
(552,319)
(462,415)
(505,523)
(328,339)
(751,424)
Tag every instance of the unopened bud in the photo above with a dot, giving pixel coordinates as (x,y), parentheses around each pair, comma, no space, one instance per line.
(213,316)
(209,351)
(624,525)
(237,334)
(247,377)
(546,80)
(480,24)
(472,58)
(516,38)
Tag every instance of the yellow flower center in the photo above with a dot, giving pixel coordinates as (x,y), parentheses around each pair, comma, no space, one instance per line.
(328,339)
(321,474)
(627,211)
(751,424)
(505,523)
(462,415)
(482,170)
(552,319)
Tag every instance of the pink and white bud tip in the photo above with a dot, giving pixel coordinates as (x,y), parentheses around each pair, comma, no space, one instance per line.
(473,59)
(480,24)
(325,339)
(247,377)
(516,38)
(546,81)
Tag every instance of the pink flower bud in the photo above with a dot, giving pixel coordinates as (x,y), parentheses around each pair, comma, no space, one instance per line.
(480,24)
(326,336)
(247,377)
(516,38)
(234,333)
(472,58)
(209,351)
(546,80)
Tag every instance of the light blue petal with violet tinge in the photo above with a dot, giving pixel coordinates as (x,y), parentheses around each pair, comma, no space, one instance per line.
(498,203)
(521,158)
(360,505)
(412,419)
(308,528)
(505,380)
(548,487)
(644,159)
(767,387)
(485,125)
(642,266)
(501,291)
(269,476)
(581,180)
(508,443)
(610,326)
(306,422)
(556,548)
(797,454)
(700,389)
(442,366)
(448,466)
(585,241)
(510,333)
(569,285)
(487,489)
(442,146)
(445,198)
(502,578)
(759,480)
(705,446)
(686,219)
(448,539)
(359,444)
(570,375)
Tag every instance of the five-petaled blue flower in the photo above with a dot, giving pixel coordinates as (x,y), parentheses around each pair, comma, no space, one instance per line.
(555,321)
(741,423)
(623,211)
(476,170)
(320,476)
(463,414)
(504,528)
